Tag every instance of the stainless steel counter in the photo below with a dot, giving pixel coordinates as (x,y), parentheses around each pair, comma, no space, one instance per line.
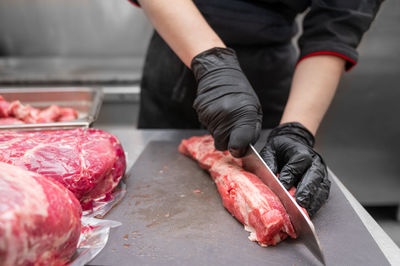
(135,141)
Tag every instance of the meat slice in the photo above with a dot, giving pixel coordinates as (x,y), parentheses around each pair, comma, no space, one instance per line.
(243,194)
(39,219)
(89,162)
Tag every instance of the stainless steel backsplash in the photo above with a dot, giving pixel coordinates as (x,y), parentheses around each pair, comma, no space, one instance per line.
(72,28)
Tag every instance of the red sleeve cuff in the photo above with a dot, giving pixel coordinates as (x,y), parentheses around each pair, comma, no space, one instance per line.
(350,63)
(134,3)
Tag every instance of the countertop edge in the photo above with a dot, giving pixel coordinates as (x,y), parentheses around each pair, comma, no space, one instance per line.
(385,243)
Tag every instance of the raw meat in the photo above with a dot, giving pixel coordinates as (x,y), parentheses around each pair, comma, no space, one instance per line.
(243,194)
(67,114)
(4,107)
(10,121)
(50,114)
(89,162)
(30,115)
(39,219)
(25,113)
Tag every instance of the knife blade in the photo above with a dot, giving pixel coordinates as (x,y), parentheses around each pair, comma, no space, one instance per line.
(303,226)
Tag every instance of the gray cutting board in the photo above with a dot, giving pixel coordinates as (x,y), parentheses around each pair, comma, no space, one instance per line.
(173,215)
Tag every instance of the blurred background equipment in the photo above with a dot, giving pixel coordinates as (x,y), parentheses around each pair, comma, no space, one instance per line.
(103,43)
(72,41)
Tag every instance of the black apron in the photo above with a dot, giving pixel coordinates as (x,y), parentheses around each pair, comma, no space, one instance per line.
(168,87)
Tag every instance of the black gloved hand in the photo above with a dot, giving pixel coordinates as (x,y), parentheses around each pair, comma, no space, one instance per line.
(226,103)
(289,152)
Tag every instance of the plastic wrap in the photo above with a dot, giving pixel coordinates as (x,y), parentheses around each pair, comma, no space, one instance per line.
(89,162)
(95,232)
(103,205)
(94,237)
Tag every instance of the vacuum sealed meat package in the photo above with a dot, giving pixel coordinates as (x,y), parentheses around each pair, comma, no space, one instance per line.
(40,220)
(89,162)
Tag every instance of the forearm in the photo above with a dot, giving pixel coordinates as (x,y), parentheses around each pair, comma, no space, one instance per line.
(313,87)
(182,26)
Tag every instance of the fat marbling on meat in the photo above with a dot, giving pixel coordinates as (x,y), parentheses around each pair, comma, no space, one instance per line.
(89,162)
(243,194)
(39,219)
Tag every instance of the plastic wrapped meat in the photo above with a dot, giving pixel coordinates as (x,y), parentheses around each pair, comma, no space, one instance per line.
(89,162)
(39,219)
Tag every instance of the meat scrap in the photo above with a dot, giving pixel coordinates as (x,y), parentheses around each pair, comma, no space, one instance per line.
(243,194)
(89,162)
(10,121)
(39,219)
(4,107)
(27,114)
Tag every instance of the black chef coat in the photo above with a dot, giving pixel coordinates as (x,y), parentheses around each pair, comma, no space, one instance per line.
(330,26)
(261,32)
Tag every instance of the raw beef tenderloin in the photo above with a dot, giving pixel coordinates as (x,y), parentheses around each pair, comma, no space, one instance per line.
(39,219)
(89,162)
(243,194)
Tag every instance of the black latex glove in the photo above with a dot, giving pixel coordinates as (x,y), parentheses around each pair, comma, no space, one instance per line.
(226,103)
(289,152)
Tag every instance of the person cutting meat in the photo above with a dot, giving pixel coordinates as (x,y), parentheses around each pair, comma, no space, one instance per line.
(239,56)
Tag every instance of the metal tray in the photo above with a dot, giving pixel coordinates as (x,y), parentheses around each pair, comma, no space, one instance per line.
(86,101)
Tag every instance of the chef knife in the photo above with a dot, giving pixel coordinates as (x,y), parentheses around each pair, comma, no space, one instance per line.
(303,226)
